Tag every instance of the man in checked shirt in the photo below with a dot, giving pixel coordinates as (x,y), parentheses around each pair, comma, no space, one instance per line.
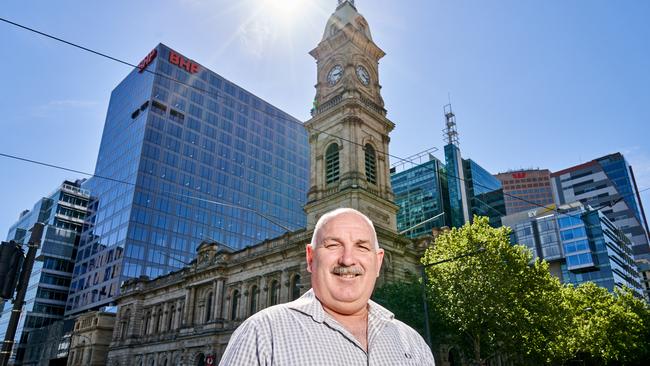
(334,323)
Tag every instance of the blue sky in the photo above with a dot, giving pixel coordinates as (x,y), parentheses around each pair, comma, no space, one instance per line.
(546,84)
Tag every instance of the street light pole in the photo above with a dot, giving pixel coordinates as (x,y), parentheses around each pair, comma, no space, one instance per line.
(25,273)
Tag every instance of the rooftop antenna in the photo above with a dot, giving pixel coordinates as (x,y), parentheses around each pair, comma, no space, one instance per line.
(450,131)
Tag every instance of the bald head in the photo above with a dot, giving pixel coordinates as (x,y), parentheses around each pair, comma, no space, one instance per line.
(323,220)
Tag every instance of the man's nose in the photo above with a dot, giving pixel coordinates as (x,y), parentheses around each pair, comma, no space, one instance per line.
(347,257)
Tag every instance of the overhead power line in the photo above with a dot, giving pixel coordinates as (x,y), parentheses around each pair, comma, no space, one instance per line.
(267,217)
(219,95)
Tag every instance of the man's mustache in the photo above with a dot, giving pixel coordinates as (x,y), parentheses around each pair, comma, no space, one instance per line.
(341,270)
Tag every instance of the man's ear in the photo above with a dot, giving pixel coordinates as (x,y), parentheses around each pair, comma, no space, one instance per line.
(380,260)
(309,254)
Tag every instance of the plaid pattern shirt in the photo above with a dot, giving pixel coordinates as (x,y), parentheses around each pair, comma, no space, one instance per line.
(301,333)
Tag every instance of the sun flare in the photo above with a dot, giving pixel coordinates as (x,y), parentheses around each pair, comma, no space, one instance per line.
(284,9)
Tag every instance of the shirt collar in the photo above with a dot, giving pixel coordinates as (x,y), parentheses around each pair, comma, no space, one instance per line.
(310,305)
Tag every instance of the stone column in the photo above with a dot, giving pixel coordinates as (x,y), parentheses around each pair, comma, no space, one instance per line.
(284,286)
(177,315)
(163,318)
(264,293)
(218,299)
(152,320)
(243,301)
(188,317)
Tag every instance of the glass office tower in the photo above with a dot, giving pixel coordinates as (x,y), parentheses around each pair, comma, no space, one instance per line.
(186,155)
(485,193)
(430,195)
(419,195)
(62,214)
(580,245)
(458,201)
(607,183)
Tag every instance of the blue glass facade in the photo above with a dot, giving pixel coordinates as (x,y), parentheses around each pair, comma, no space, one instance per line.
(485,193)
(419,195)
(62,213)
(452,189)
(200,162)
(458,205)
(580,245)
(616,168)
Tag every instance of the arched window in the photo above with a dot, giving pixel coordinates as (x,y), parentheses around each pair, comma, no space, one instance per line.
(252,304)
(170,317)
(200,360)
(275,293)
(147,320)
(234,304)
(332,164)
(371,164)
(295,287)
(208,307)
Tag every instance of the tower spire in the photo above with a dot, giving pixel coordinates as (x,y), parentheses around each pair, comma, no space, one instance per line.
(341,2)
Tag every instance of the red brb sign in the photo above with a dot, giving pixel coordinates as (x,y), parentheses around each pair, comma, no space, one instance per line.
(147,60)
(180,61)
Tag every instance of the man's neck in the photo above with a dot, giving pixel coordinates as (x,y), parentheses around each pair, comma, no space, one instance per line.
(356,323)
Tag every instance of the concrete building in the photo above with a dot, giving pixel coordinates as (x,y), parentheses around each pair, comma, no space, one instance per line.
(90,338)
(188,155)
(63,213)
(525,190)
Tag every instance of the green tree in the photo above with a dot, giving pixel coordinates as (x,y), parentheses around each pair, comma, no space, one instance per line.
(496,301)
(607,328)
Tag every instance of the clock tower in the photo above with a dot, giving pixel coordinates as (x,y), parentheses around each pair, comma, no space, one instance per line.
(348,131)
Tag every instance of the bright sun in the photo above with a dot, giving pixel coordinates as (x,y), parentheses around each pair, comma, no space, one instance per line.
(283,9)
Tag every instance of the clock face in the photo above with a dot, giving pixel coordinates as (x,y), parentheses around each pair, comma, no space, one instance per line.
(363,75)
(334,75)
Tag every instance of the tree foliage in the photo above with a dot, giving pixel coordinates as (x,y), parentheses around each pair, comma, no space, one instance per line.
(496,300)
(500,303)
(607,328)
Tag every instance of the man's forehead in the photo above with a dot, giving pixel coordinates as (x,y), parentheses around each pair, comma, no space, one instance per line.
(346,223)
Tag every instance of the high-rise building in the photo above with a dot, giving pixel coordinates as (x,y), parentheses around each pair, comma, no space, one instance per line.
(607,184)
(526,189)
(459,210)
(432,194)
(484,192)
(579,243)
(185,156)
(62,213)
(420,195)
